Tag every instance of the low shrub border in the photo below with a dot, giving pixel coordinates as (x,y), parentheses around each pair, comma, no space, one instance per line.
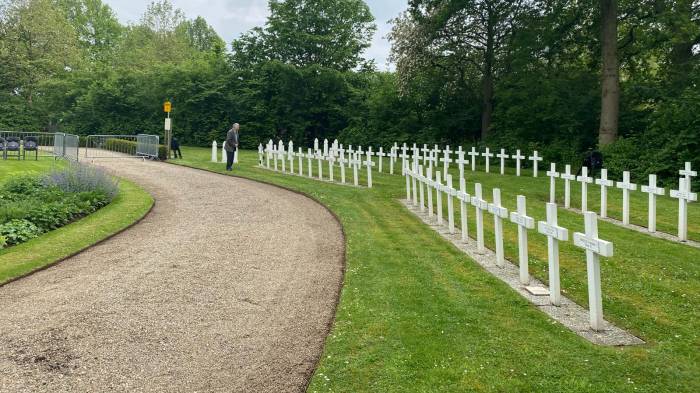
(128,207)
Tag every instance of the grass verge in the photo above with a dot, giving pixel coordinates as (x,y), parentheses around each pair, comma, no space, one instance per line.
(418,315)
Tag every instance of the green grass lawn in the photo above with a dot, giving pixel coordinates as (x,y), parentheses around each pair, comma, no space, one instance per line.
(417,315)
(131,204)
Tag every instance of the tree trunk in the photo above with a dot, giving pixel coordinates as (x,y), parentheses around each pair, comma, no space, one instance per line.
(487,105)
(610,95)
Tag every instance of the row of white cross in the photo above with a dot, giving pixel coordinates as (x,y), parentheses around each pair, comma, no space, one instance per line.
(420,182)
(277,153)
(683,194)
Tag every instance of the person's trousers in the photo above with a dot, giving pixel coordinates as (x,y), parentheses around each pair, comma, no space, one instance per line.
(229,158)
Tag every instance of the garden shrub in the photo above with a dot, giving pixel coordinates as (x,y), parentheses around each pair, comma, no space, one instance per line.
(19,231)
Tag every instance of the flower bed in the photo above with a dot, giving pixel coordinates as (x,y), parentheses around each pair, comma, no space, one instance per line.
(33,205)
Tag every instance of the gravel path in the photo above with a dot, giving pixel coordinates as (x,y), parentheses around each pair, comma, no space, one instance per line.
(228,285)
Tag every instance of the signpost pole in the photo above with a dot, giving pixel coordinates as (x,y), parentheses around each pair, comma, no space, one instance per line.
(167,107)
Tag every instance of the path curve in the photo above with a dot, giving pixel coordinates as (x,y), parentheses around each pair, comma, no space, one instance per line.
(227,285)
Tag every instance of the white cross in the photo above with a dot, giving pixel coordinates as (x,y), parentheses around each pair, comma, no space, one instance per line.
(450,193)
(653,191)
(568,177)
(594,247)
(534,158)
(684,195)
(380,157)
(517,157)
(369,164)
(280,155)
(687,172)
(480,205)
(392,159)
(421,181)
(404,156)
(300,156)
(626,187)
(584,180)
(438,196)
(331,160)
(604,183)
(464,200)
(355,162)
(309,157)
(473,153)
(290,156)
(341,163)
(215,152)
(446,160)
(429,189)
(553,174)
(425,151)
(555,234)
(461,162)
(261,152)
(487,154)
(503,156)
(268,154)
(499,213)
(524,222)
(325,148)
(414,170)
(315,144)
(319,158)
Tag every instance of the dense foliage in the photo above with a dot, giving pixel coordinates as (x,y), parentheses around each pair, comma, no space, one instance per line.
(31,205)
(513,74)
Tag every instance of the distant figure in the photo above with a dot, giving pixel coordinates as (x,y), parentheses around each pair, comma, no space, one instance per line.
(175,148)
(231,145)
(593,160)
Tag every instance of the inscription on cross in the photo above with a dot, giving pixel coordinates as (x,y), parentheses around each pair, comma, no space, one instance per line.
(595,248)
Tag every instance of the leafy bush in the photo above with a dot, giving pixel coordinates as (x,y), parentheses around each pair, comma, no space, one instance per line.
(79,178)
(3,242)
(19,231)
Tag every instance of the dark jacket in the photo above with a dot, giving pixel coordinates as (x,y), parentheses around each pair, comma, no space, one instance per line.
(231,143)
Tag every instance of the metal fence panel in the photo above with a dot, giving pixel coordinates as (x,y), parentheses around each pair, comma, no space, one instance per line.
(31,145)
(121,146)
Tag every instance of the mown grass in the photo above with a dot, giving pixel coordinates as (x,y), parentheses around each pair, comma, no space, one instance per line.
(417,315)
(131,204)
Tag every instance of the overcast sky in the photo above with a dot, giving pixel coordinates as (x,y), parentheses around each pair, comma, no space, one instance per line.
(230,18)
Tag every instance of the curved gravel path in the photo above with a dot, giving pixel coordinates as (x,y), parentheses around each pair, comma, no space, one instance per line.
(228,285)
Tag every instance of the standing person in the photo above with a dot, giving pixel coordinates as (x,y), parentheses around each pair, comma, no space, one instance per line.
(175,148)
(231,145)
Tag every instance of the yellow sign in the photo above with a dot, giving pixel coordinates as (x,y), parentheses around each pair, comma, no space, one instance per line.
(167,106)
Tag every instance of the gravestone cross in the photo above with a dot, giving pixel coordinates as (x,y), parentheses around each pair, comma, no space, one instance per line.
(517,157)
(438,196)
(503,156)
(626,187)
(604,183)
(406,175)
(555,234)
(268,154)
(369,164)
(214,152)
(392,159)
(653,191)
(430,184)
(341,163)
(473,153)
(319,160)
(309,157)
(425,151)
(568,177)
(684,195)
(553,174)
(450,193)
(380,157)
(585,181)
(464,200)
(261,152)
(480,205)
(594,247)
(535,159)
(461,161)
(524,222)
(325,148)
(688,173)
(446,160)
(315,145)
(290,156)
(403,156)
(331,162)
(300,155)
(282,155)
(421,188)
(499,213)
(354,162)
(487,154)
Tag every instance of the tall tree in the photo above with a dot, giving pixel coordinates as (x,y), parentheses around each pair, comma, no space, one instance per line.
(610,95)
(95,24)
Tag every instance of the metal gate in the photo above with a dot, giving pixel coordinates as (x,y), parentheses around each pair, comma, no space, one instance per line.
(122,146)
(34,145)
